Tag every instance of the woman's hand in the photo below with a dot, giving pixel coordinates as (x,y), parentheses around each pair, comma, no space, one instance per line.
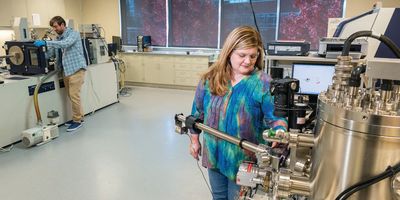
(195,147)
(274,144)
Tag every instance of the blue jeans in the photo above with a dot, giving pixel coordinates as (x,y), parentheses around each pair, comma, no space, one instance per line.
(222,188)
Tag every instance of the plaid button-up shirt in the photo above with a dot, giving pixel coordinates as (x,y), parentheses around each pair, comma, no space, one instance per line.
(70,44)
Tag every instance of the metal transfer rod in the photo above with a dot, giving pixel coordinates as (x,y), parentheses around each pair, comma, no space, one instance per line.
(219,134)
(6,56)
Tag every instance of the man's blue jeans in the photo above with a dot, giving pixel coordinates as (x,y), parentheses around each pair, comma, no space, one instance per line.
(222,188)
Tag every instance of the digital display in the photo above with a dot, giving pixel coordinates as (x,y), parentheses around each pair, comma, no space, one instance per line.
(314,78)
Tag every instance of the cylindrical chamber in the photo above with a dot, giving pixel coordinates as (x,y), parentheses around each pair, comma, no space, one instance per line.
(352,147)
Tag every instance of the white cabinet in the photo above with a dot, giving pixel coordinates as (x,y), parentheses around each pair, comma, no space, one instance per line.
(188,70)
(134,67)
(158,69)
(161,69)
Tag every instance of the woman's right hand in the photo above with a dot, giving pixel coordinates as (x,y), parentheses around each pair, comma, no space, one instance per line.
(195,147)
(274,144)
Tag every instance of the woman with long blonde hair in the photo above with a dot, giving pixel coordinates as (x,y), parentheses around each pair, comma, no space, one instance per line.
(233,96)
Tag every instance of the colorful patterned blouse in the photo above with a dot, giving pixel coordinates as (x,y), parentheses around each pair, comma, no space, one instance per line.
(244,112)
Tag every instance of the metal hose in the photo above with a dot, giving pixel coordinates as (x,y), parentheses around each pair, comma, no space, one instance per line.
(36,94)
(382,38)
(389,172)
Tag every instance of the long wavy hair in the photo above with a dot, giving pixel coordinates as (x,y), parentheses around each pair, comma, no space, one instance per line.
(220,73)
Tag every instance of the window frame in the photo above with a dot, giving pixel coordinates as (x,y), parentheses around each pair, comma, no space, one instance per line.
(167,28)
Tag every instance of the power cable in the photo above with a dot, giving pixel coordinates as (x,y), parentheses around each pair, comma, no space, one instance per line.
(254,16)
(4,150)
(389,172)
(255,22)
(198,166)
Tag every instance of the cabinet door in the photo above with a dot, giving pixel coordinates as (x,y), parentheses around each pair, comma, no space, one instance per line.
(161,73)
(185,77)
(138,72)
(192,59)
(158,69)
(167,73)
(189,74)
(134,68)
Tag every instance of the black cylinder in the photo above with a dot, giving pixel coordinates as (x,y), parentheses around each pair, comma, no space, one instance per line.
(276,73)
(301,109)
(297,115)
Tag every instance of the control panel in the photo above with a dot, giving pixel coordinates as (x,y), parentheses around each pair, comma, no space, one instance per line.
(45,87)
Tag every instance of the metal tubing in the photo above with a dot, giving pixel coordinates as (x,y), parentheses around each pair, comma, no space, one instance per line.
(246,145)
(302,144)
(300,192)
(306,140)
(6,56)
(300,185)
(219,134)
(302,140)
(270,139)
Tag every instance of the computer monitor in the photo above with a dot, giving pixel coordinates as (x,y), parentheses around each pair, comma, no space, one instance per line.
(314,78)
(118,42)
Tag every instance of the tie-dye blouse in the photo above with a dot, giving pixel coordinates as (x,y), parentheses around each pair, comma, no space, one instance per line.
(245,111)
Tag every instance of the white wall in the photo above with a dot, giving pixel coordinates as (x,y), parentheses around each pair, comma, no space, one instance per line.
(356,7)
(74,10)
(25,8)
(105,13)
(10,9)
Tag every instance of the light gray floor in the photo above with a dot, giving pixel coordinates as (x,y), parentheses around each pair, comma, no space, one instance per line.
(126,151)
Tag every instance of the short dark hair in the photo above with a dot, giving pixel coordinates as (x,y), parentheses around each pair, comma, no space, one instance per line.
(58,19)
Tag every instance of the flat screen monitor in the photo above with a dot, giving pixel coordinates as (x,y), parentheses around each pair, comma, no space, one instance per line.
(118,42)
(314,78)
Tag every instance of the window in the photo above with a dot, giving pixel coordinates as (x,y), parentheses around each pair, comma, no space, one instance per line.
(238,12)
(202,23)
(140,17)
(194,23)
(307,20)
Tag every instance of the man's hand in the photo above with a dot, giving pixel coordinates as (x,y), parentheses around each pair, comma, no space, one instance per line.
(39,43)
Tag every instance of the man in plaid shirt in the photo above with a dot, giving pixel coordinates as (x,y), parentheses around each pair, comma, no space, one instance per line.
(69,56)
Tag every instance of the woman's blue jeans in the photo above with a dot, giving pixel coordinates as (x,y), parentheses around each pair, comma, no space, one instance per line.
(222,188)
